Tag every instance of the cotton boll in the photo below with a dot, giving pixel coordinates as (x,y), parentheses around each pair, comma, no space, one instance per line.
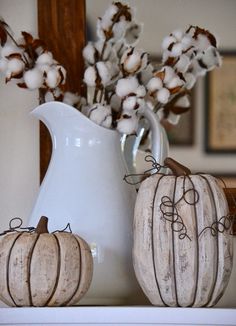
(89,53)
(131,61)
(183,102)
(103,72)
(100,32)
(45,58)
(169,74)
(101,114)
(107,51)
(202,42)
(141,91)
(176,50)
(197,69)
(119,30)
(154,84)
(90,76)
(8,49)
(126,86)
(183,63)
(107,122)
(190,80)
(173,118)
(48,97)
(53,78)
(163,95)
(174,82)
(114,70)
(33,78)
(130,103)
(71,98)
(187,41)
(132,33)
(134,60)
(167,41)
(178,34)
(15,66)
(106,20)
(211,58)
(127,124)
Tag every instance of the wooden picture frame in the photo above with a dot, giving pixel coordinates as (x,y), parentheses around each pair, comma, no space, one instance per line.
(220,108)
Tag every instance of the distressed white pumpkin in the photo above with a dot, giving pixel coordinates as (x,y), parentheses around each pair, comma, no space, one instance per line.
(42,269)
(182,249)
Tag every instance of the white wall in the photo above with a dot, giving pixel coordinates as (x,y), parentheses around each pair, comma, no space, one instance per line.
(19,161)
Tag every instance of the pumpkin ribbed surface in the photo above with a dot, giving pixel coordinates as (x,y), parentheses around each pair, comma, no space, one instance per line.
(182,249)
(44,269)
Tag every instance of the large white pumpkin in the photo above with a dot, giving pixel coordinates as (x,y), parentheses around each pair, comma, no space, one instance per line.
(182,249)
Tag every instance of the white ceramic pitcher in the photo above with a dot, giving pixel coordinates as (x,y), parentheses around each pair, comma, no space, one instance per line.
(84,186)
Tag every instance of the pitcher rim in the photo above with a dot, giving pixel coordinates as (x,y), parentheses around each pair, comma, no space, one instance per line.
(70,107)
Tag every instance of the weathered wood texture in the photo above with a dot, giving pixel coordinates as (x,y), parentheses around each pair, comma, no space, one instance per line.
(230,194)
(61,25)
(182,244)
(44,269)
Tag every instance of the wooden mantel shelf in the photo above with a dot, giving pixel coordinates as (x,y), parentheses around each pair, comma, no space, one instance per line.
(136,315)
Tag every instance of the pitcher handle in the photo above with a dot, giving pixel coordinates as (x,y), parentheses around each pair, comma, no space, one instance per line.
(159,143)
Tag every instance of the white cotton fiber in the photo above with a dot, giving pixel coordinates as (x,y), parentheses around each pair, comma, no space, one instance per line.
(90,76)
(169,74)
(167,41)
(163,95)
(103,72)
(15,65)
(174,82)
(141,91)
(126,86)
(202,42)
(211,58)
(154,84)
(129,103)
(127,124)
(89,53)
(178,34)
(9,49)
(183,102)
(101,114)
(45,58)
(190,80)
(33,78)
(183,63)
(53,78)
(173,118)
(71,98)
(176,50)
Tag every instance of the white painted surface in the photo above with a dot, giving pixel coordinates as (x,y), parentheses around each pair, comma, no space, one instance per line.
(117,316)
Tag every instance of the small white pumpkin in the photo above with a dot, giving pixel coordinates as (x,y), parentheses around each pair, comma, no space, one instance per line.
(42,269)
(182,250)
